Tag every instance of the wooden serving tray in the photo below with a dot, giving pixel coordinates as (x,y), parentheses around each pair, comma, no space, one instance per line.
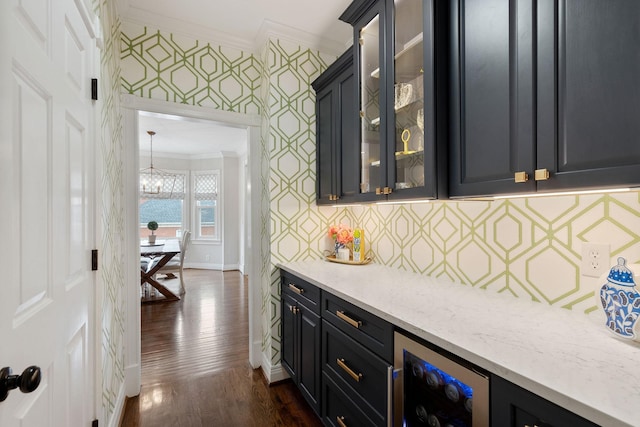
(332,258)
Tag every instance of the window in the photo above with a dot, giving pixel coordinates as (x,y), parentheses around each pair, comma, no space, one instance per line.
(166,208)
(206,212)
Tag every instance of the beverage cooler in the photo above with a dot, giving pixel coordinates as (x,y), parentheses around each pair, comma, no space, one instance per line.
(433,390)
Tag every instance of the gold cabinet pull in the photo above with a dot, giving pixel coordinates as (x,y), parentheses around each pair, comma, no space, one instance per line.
(348,370)
(355,323)
(521,177)
(541,174)
(384,191)
(340,421)
(296,289)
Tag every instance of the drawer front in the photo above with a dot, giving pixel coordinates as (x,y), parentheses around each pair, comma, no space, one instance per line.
(356,369)
(340,411)
(303,291)
(369,330)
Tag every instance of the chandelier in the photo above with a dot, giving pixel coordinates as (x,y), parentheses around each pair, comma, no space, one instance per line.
(154,180)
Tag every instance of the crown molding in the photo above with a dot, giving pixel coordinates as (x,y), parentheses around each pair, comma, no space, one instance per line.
(274,30)
(187,29)
(268,30)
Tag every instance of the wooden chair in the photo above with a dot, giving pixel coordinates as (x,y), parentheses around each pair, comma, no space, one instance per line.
(176,265)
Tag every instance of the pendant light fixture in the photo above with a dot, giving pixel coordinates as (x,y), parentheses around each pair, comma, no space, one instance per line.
(154,181)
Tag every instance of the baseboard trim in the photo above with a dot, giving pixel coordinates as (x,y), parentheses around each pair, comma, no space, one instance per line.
(273,373)
(118,412)
(255,356)
(209,266)
(132,375)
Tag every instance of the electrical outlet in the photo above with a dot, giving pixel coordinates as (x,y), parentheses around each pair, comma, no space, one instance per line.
(595,259)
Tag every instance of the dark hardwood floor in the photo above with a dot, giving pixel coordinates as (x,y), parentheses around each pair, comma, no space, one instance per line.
(195,368)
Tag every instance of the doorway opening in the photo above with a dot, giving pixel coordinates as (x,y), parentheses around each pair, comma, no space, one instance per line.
(236,157)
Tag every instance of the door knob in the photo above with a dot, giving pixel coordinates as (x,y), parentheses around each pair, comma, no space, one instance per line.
(27,382)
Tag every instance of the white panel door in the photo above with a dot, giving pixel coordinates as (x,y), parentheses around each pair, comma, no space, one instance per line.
(47,191)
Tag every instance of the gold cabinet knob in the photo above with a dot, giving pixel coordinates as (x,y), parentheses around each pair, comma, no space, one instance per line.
(541,174)
(521,177)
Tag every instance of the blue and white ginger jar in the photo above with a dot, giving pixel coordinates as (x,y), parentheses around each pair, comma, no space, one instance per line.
(621,301)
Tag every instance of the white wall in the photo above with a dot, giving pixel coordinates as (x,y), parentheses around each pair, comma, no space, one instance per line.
(224,255)
(232,188)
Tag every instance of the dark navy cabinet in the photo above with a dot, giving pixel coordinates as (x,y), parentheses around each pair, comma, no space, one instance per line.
(357,361)
(300,343)
(337,149)
(513,406)
(400,73)
(543,95)
(339,355)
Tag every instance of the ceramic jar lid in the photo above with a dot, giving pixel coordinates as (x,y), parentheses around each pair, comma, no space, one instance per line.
(620,274)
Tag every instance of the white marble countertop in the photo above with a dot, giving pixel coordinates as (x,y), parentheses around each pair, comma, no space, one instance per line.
(565,357)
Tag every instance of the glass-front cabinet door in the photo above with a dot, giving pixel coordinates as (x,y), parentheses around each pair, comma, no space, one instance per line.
(408,95)
(402,139)
(370,47)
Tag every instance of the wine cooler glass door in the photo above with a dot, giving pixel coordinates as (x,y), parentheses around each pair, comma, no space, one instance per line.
(434,390)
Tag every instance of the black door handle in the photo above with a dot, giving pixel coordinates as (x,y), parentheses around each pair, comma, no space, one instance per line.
(27,382)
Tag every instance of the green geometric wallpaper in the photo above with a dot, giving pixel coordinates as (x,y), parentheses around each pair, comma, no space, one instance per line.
(291,159)
(112,209)
(528,248)
(187,71)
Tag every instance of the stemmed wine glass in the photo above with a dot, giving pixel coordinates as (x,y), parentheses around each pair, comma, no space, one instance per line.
(420,119)
(420,123)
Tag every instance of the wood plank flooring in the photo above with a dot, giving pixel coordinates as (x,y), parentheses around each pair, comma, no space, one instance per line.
(195,368)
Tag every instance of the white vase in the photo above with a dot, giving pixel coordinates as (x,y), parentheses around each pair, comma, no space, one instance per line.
(152,239)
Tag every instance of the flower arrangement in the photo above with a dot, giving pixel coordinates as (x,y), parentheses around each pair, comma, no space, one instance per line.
(342,235)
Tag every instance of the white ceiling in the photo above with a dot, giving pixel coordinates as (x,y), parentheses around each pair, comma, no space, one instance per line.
(240,23)
(188,137)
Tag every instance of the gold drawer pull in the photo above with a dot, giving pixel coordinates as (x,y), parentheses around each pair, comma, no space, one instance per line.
(542,174)
(521,177)
(340,421)
(296,289)
(348,370)
(349,320)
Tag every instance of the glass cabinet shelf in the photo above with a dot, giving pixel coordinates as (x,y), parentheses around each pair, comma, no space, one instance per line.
(402,155)
(415,43)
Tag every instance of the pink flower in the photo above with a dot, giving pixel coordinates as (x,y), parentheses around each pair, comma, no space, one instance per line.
(341,233)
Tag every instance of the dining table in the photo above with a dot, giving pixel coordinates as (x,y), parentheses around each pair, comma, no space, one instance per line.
(158,254)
